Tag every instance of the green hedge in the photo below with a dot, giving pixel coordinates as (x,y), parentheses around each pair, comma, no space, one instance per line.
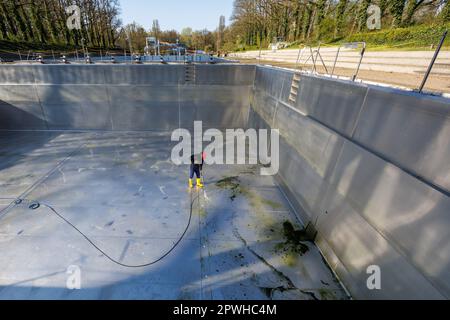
(417,36)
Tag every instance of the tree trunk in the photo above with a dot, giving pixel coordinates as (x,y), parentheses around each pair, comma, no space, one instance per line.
(410,9)
(19,22)
(3,23)
(340,17)
(362,14)
(37,23)
(396,9)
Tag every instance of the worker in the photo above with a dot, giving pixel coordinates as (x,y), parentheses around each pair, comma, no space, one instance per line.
(197,162)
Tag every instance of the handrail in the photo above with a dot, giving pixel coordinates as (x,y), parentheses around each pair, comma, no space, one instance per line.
(318,55)
(351,45)
(313,53)
(433,60)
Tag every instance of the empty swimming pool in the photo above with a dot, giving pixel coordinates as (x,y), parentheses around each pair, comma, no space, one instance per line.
(90,198)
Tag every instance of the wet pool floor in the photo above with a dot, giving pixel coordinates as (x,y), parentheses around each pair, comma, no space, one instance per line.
(123,192)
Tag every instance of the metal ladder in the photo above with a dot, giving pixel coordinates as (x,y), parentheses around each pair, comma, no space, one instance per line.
(190,73)
(295,85)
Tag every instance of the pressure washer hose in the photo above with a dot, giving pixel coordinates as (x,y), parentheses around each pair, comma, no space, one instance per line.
(35,205)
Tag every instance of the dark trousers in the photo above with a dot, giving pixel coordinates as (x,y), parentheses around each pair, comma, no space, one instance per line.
(195,169)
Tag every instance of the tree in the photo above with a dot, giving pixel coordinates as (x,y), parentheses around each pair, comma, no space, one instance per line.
(320,7)
(155,29)
(340,17)
(445,13)
(362,14)
(3,22)
(132,37)
(44,21)
(169,36)
(396,8)
(411,8)
(220,33)
(186,37)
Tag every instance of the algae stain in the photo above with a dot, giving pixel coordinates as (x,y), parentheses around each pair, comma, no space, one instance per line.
(294,236)
(257,201)
(293,244)
(202,212)
(326,294)
(274,205)
(234,185)
(294,239)
(290,259)
(269,292)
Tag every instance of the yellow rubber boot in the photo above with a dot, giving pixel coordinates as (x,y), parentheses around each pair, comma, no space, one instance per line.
(191,185)
(199,183)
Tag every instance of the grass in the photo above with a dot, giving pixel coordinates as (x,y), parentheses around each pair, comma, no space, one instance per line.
(414,38)
(422,36)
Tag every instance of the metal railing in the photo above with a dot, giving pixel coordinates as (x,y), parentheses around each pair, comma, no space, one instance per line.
(351,45)
(76,56)
(433,60)
(315,57)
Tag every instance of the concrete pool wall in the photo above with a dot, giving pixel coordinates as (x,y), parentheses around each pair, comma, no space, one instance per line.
(367,166)
(124,97)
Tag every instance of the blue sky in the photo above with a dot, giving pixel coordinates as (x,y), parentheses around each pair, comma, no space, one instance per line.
(176,14)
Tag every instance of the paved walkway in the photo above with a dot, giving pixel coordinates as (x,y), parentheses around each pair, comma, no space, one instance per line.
(399,68)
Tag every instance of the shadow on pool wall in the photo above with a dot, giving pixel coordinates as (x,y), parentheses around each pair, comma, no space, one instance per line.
(367,166)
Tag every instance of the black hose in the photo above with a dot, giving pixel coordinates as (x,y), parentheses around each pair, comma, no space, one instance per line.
(103,252)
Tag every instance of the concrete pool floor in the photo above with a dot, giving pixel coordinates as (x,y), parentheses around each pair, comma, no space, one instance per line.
(124,193)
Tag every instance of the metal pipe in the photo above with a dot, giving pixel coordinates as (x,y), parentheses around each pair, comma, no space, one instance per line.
(323,63)
(335,61)
(306,61)
(430,67)
(363,50)
(318,55)
(260,49)
(312,59)
(300,54)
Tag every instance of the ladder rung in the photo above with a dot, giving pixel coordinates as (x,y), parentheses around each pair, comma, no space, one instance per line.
(190,73)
